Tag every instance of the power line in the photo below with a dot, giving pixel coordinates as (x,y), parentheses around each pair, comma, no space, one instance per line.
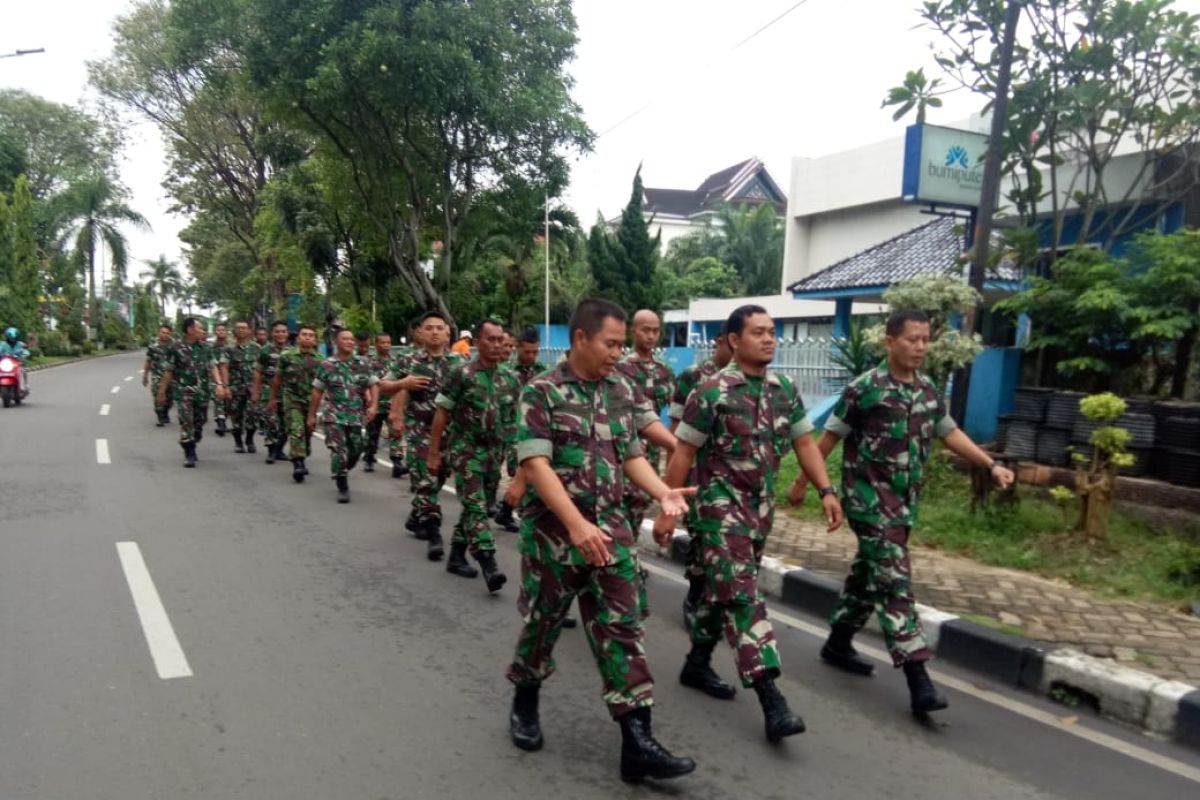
(779,18)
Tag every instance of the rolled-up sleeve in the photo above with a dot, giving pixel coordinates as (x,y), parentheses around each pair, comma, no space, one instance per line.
(533,434)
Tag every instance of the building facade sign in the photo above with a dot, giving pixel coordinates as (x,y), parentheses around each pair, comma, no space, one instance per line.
(943,166)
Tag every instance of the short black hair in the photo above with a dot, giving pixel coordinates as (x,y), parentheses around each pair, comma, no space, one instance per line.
(900,318)
(382,334)
(530,335)
(722,331)
(590,314)
(491,321)
(189,323)
(737,320)
(277,323)
(362,336)
(220,325)
(166,325)
(259,328)
(428,315)
(304,326)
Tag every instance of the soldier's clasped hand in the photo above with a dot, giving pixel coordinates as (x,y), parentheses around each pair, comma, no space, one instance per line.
(592,543)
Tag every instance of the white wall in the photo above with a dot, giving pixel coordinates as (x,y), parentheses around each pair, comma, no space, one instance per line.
(672,228)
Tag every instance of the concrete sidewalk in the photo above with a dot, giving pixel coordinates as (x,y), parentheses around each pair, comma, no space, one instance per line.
(1144,636)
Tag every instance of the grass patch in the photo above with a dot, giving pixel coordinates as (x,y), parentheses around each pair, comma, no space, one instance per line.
(994,624)
(1139,560)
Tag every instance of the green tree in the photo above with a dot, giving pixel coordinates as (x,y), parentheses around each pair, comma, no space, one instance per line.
(917,92)
(89,215)
(162,282)
(428,105)
(12,160)
(625,261)
(752,243)
(704,277)
(20,279)
(941,297)
(60,144)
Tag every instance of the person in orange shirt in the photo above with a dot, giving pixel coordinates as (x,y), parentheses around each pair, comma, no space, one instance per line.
(463,345)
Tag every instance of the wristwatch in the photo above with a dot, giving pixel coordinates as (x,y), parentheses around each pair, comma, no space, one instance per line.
(827,491)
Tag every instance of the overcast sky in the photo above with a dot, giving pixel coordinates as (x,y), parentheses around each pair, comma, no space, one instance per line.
(809,85)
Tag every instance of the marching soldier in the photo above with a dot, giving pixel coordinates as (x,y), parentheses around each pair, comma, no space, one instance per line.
(527,366)
(158,355)
(220,348)
(379,361)
(238,372)
(191,371)
(270,423)
(735,428)
(292,388)
(348,387)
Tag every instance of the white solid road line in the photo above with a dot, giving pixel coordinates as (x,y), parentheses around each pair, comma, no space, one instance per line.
(128,378)
(165,649)
(104,409)
(102,452)
(116,389)
(1003,701)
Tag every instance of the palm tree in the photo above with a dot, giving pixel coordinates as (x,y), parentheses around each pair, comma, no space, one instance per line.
(753,244)
(163,281)
(87,214)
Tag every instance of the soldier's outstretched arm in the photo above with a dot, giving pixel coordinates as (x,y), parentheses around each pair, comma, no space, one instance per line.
(314,402)
(678,468)
(657,434)
(276,385)
(440,418)
(146,371)
(671,501)
(812,465)
(960,443)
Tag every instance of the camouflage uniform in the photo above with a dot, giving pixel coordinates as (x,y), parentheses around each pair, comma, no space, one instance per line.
(159,356)
(343,413)
(397,451)
(742,426)
(689,379)
(191,386)
(241,358)
(271,425)
(524,375)
(888,428)
(379,368)
(655,382)
(482,408)
(296,373)
(586,429)
(418,421)
(221,354)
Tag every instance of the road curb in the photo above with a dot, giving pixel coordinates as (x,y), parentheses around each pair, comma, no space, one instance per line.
(81,359)
(1164,707)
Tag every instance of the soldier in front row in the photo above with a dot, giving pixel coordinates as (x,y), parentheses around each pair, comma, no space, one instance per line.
(351,396)
(157,356)
(270,423)
(192,373)
(735,428)
(238,371)
(379,361)
(579,447)
(887,420)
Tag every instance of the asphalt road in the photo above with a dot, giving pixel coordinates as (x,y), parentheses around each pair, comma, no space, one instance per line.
(321,656)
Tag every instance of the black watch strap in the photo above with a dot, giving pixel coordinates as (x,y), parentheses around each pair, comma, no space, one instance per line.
(828,490)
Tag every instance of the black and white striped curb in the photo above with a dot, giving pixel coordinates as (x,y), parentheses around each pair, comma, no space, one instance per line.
(1163,707)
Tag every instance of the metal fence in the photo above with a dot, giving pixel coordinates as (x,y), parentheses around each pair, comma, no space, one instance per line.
(808,362)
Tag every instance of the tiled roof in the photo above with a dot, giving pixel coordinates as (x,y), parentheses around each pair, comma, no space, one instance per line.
(720,186)
(675,202)
(932,249)
(720,180)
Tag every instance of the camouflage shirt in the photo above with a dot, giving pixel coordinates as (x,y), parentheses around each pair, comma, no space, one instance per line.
(346,384)
(296,371)
(887,428)
(159,356)
(421,403)
(688,380)
(742,425)
(586,430)
(379,368)
(526,373)
(241,359)
(191,370)
(481,402)
(653,378)
(268,362)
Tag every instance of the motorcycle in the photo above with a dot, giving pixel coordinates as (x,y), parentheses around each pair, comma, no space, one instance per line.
(13,385)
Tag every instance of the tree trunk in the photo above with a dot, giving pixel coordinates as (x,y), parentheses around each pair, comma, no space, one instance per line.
(1183,363)
(423,292)
(93,311)
(1095,492)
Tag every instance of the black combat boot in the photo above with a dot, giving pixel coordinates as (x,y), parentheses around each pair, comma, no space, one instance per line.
(457,563)
(925,696)
(698,673)
(504,517)
(250,448)
(221,427)
(270,459)
(369,464)
(641,754)
(280,453)
(839,651)
(523,722)
(433,535)
(410,524)
(298,470)
(238,447)
(691,602)
(343,488)
(161,418)
(396,471)
(779,719)
(421,529)
(189,455)
(491,571)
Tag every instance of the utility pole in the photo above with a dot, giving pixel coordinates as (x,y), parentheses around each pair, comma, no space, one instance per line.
(18,53)
(546,237)
(987,199)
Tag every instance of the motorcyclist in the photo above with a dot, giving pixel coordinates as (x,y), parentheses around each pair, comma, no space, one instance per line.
(13,346)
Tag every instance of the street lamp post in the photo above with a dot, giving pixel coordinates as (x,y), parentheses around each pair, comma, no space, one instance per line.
(18,53)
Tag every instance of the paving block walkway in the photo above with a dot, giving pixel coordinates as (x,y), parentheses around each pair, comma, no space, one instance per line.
(1142,636)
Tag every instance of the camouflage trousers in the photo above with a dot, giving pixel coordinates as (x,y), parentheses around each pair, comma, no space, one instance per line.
(426,487)
(880,581)
(345,443)
(193,413)
(475,468)
(733,602)
(271,425)
(241,416)
(298,435)
(155,382)
(552,575)
(220,407)
(374,431)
